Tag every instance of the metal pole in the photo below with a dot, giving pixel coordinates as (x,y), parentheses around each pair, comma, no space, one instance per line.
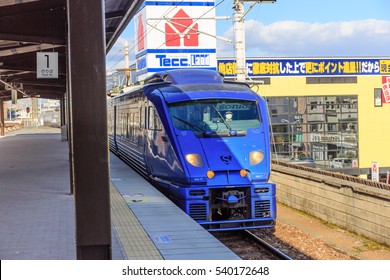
(87,85)
(2,123)
(34,112)
(62,111)
(127,65)
(239,33)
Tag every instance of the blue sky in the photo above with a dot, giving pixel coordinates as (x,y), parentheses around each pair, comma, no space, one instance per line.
(298,28)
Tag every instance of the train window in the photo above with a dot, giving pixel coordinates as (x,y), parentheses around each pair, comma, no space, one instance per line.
(154,119)
(146,117)
(136,120)
(131,126)
(122,133)
(114,125)
(218,116)
(141,119)
(127,125)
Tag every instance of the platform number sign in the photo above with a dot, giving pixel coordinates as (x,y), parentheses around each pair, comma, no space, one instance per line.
(47,65)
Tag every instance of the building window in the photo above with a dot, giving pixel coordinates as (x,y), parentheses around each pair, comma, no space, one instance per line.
(320,129)
(331,80)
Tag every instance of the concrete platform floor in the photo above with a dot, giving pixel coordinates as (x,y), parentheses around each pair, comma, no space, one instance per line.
(36,208)
(37,214)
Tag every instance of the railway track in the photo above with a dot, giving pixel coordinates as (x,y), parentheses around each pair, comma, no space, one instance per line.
(249,246)
(267,246)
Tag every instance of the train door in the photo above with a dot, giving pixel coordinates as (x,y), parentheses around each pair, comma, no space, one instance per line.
(156,146)
(161,157)
(144,133)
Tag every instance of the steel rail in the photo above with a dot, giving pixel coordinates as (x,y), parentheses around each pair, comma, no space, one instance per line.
(267,246)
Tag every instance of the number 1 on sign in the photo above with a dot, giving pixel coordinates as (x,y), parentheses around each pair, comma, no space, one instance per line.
(47,60)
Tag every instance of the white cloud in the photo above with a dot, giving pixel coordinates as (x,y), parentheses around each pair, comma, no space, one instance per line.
(293,39)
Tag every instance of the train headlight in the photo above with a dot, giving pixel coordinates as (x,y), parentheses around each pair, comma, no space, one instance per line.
(255,157)
(210,174)
(243,173)
(195,160)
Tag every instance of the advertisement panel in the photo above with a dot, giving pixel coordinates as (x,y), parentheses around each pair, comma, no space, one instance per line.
(386,89)
(174,35)
(308,67)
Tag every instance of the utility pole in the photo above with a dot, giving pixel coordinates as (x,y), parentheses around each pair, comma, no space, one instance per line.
(127,65)
(239,34)
(127,68)
(34,112)
(239,46)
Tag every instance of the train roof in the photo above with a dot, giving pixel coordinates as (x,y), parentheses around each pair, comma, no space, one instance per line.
(186,76)
(179,93)
(184,85)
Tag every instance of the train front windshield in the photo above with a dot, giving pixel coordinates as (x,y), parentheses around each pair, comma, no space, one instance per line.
(217,117)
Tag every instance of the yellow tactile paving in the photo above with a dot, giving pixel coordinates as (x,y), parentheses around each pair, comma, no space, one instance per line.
(135,242)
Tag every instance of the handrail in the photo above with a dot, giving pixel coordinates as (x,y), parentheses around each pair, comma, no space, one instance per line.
(346,177)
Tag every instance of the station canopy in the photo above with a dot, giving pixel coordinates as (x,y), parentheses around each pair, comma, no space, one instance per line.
(31,26)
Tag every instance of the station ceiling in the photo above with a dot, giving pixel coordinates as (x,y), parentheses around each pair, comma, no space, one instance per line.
(31,26)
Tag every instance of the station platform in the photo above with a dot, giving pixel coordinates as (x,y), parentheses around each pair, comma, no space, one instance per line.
(162,228)
(37,210)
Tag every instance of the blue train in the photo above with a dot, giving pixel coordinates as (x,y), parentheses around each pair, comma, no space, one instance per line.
(204,142)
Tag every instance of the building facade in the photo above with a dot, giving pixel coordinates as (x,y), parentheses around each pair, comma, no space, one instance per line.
(329,113)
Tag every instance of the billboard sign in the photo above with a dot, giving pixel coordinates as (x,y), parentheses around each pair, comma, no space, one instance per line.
(385,89)
(173,35)
(308,67)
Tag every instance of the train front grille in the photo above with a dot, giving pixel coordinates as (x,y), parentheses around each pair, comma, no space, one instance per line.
(262,208)
(198,211)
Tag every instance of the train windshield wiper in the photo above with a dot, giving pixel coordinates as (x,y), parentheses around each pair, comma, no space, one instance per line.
(223,119)
(190,124)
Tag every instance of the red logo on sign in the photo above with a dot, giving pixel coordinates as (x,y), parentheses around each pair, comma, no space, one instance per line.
(181,30)
(141,34)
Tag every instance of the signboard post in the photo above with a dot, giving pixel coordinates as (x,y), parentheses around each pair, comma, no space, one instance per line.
(47,65)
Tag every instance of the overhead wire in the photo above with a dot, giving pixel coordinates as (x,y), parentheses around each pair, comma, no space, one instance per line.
(152,27)
(119,51)
(133,44)
(257,13)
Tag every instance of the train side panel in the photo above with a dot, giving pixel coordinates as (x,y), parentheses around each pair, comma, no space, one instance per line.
(127,131)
